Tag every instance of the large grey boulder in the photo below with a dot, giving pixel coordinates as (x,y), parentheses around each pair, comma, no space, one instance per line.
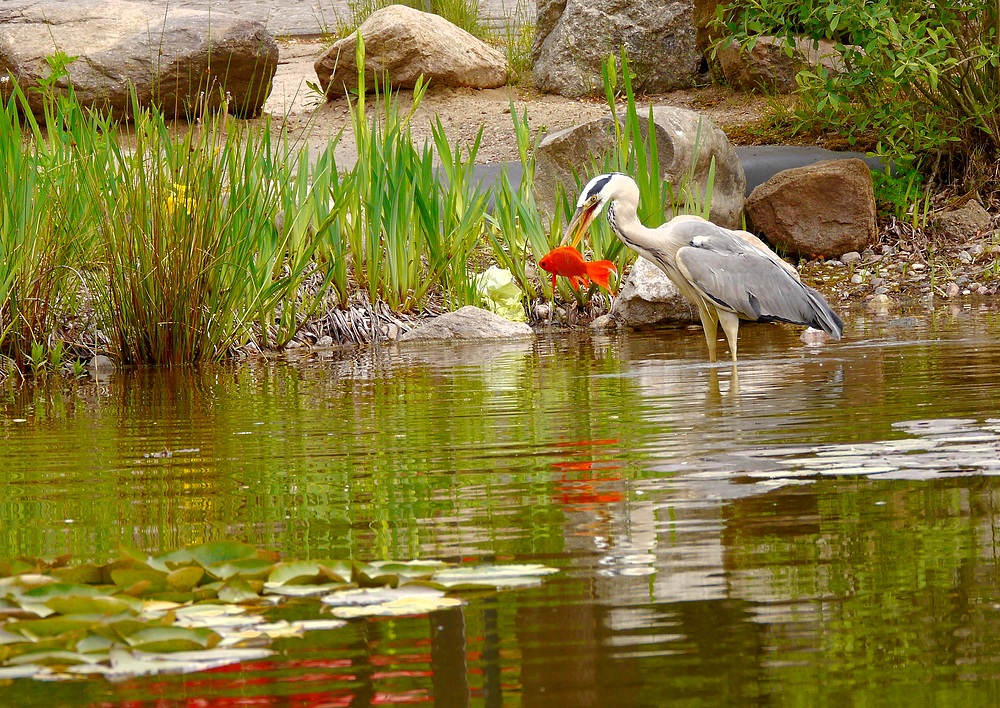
(824,209)
(468,323)
(769,67)
(404,44)
(573,37)
(648,297)
(687,144)
(181,61)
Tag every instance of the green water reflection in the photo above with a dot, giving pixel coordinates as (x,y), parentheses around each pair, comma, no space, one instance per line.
(716,547)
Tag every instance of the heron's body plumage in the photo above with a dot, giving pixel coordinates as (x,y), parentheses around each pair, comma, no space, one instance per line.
(727,274)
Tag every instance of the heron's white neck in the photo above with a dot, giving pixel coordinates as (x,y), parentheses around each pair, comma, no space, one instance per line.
(624,220)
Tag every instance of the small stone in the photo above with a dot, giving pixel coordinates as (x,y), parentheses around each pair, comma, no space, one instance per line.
(952,290)
(918,266)
(294,344)
(542,311)
(975,286)
(976,249)
(880,301)
(834,262)
(881,290)
(982,290)
(100,364)
(325,341)
(850,257)
(604,323)
(964,256)
(814,337)
(392,332)
(876,281)
(857,279)
(966,292)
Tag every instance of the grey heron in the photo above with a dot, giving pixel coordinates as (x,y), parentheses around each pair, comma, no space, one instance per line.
(729,275)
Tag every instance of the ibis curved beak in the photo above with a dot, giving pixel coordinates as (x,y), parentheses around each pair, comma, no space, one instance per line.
(579,224)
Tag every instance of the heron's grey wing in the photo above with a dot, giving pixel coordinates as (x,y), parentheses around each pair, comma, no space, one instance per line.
(738,277)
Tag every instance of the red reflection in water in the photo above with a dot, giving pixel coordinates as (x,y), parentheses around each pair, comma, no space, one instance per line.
(587,491)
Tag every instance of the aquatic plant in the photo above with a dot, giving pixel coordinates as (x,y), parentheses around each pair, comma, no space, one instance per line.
(190,247)
(46,221)
(409,227)
(197,608)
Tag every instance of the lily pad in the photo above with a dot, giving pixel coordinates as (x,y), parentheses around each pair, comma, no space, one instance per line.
(171,639)
(106,605)
(403,607)
(187,610)
(237,590)
(184,579)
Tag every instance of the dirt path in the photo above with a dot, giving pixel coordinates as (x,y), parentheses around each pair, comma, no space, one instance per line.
(463,111)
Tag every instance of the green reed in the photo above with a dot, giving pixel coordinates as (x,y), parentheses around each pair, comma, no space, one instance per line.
(195,262)
(46,222)
(410,226)
(519,234)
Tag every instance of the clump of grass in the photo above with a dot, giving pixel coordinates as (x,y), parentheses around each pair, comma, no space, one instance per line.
(191,252)
(519,235)
(409,229)
(45,222)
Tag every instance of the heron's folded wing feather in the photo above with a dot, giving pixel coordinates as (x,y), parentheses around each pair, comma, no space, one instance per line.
(742,280)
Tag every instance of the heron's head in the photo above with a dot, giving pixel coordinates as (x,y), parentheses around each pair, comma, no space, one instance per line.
(598,192)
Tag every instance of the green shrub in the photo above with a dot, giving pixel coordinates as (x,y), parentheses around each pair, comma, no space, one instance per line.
(925,79)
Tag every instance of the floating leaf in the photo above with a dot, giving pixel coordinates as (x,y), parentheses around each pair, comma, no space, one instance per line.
(399,608)
(389,602)
(16,672)
(129,578)
(89,574)
(306,590)
(183,579)
(369,576)
(100,605)
(244,568)
(237,590)
(409,569)
(297,573)
(205,555)
(171,639)
(48,627)
(44,592)
(53,658)
(495,576)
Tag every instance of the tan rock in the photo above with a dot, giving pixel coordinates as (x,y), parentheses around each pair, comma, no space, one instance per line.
(824,209)
(648,297)
(468,323)
(405,44)
(176,59)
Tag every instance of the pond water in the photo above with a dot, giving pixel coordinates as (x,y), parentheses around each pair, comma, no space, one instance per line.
(819,529)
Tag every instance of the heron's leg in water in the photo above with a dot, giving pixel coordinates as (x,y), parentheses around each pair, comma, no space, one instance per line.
(731,326)
(710,323)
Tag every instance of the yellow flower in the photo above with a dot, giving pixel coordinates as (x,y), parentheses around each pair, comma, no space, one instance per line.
(187,202)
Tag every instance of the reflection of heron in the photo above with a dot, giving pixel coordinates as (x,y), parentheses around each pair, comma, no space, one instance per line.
(728,274)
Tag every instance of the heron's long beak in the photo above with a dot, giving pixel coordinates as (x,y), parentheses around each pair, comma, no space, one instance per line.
(580,222)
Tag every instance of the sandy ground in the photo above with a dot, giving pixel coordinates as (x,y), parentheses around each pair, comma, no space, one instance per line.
(463,111)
